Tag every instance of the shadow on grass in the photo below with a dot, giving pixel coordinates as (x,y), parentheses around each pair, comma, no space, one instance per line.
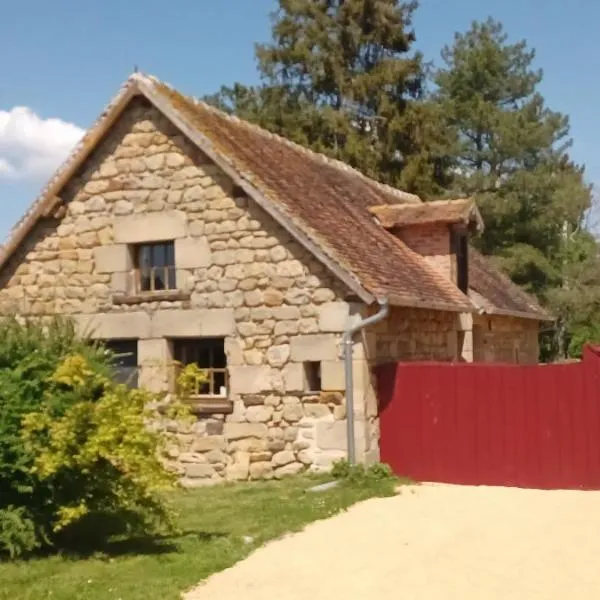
(112,536)
(136,545)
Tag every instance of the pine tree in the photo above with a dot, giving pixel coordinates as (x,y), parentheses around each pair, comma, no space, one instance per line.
(340,77)
(510,152)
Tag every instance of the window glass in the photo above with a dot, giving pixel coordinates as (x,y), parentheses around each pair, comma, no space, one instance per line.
(209,355)
(156,266)
(125,361)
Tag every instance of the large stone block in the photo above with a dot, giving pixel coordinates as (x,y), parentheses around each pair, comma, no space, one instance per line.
(239,431)
(294,379)
(208,443)
(209,322)
(333,375)
(290,469)
(259,414)
(283,458)
(192,253)
(154,357)
(250,379)
(106,326)
(277,356)
(240,468)
(261,470)
(331,435)
(150,227)
(335,317)
(313,347)
(112,258)
(194,470)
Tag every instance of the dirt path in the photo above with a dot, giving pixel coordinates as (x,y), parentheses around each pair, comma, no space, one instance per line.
(432,543)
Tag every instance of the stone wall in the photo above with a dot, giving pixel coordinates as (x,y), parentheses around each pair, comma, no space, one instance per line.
(505,339)
(410,334)
(241,275)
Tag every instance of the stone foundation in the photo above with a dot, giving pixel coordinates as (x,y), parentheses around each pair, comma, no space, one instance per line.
(269,437)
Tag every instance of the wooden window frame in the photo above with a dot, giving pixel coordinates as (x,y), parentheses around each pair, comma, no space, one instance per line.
(460,249)
(154,273)
(186,351)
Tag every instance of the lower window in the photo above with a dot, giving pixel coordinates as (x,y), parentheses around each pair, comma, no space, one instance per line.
(209,355)
(125,361)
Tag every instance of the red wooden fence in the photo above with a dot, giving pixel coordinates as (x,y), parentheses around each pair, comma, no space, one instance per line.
(524,426)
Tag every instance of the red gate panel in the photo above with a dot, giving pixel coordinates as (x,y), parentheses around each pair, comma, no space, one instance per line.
(482,424)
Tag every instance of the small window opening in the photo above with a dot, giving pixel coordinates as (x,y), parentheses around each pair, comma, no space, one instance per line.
(461,250)
(124,354)
(209,355)
(155,266)
(312,376)
(517,356)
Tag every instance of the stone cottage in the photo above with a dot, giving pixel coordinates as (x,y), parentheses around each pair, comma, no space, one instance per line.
(174,232)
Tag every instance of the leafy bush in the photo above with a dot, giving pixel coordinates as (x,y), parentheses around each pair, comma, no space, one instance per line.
(344,471)
(73,444)
(17,531)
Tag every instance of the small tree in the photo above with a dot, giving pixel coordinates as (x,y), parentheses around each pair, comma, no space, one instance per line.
(73,444)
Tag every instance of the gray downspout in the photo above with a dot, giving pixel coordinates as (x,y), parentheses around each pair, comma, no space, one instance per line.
(347,341)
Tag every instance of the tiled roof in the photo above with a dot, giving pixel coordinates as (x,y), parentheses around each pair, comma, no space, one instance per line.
(329,201)
(325,201)
(438,211)
(494,293)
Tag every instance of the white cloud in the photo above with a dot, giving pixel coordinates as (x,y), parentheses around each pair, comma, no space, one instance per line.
(32,147)
(5,167)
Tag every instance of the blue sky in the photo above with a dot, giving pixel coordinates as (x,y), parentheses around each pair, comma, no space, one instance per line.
(63,60)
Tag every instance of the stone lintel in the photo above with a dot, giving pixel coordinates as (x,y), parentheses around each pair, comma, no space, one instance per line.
(150,227)
(317,347)
(209,322)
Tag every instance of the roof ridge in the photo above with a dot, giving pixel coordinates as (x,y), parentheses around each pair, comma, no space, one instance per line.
(318,156)
(430,203)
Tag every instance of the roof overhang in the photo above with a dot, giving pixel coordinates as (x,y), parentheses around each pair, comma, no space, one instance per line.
(450,212)
(467,307)
(499,312)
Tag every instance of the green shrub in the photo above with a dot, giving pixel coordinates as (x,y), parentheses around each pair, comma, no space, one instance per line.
(73,444)
(344,471)
(17,531)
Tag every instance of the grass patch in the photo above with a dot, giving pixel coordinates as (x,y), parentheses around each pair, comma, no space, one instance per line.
(218,527)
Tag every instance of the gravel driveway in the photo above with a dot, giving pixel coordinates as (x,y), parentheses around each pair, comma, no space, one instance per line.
(432,542)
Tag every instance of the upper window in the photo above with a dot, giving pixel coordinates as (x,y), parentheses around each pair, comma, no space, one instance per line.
(461,250)
(155,266)
(209,355)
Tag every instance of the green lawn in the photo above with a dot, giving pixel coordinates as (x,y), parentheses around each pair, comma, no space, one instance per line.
(218,527)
